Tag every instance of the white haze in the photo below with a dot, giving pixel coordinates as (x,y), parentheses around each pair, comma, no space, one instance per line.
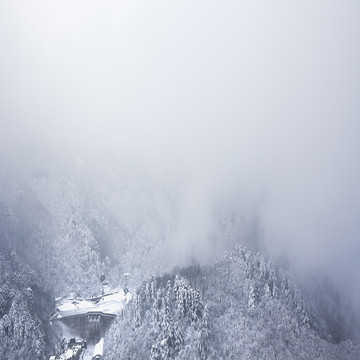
(253,98)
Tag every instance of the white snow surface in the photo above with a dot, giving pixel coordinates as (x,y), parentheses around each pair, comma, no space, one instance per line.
(111,303)
(99,348)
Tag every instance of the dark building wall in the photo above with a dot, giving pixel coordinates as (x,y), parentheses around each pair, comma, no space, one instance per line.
(90,326)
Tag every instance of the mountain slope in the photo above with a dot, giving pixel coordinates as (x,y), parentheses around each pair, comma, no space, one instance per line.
(245,307)
(25,307)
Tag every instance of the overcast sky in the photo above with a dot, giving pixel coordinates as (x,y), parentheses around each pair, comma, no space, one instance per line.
(258,95)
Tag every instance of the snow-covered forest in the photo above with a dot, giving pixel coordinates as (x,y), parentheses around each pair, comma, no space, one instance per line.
(179,180)
(240,305)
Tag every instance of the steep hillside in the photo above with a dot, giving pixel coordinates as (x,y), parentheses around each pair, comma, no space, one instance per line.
(69,227)
(167,320)
(25,307)
(243,308)
(74,224)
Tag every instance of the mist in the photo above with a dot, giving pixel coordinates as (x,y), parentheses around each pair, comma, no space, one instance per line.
(250,103)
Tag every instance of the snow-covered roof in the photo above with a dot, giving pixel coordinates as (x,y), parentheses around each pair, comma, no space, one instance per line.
(110,304)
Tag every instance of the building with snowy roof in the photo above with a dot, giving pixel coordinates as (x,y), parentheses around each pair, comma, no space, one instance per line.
(90,318)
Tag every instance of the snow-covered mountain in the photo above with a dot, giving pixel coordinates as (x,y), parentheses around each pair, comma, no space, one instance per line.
(67,220)
(244,307)
(65,227)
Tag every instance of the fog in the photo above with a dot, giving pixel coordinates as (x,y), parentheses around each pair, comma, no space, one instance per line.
(242,100)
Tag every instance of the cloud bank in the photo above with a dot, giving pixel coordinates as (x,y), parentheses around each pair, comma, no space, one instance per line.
(242,97)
